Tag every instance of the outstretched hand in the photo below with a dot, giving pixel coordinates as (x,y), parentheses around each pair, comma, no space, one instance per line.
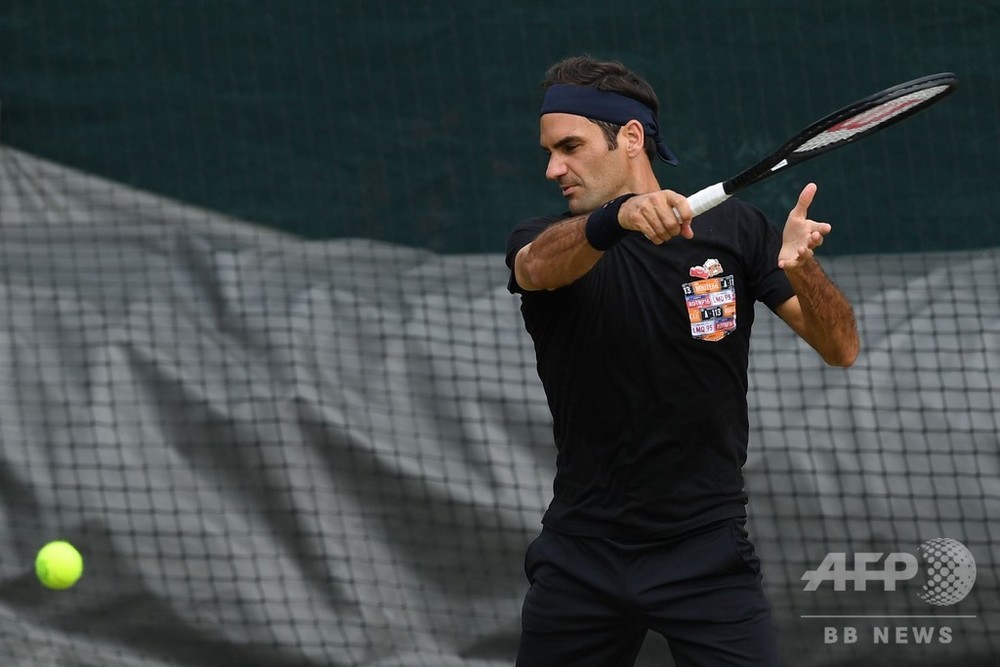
(801,235)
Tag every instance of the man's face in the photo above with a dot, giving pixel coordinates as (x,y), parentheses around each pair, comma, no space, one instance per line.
(588,173)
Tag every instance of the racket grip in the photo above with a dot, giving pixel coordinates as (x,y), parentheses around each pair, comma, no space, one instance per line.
(707,198)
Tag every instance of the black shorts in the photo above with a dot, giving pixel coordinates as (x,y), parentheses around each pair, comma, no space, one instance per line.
(591,600)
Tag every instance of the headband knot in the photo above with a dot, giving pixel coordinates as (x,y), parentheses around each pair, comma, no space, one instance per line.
(607,106)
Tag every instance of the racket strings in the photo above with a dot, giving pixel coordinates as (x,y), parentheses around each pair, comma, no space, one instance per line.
(868,119)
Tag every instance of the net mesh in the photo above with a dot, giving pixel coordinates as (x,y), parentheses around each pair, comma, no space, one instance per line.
(259,364)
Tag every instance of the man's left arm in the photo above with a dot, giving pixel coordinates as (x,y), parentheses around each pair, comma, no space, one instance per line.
(819,312)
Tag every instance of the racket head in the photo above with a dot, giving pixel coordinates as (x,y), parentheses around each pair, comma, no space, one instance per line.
(855,121)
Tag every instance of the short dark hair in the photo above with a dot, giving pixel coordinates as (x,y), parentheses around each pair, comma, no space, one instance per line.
(605,75)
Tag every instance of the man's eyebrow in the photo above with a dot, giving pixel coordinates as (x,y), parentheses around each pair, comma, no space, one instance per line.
(564,141)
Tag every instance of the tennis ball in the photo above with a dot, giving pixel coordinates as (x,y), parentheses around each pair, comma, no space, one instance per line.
(58,565)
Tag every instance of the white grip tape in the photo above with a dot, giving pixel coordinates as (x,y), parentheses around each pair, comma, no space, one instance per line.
(707,198)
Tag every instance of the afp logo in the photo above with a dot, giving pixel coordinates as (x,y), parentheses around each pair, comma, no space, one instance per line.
(948,566)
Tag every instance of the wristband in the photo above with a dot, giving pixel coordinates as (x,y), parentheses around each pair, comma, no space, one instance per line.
(603,230)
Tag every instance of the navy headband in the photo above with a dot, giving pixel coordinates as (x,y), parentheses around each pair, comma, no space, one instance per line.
(607,106)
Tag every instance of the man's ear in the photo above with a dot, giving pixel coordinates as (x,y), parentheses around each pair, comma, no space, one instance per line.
(634,137)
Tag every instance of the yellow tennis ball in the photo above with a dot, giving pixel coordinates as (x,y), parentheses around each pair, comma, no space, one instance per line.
(58,565)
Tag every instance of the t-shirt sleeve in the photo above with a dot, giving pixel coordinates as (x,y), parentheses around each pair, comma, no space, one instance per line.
(523,234)
(770,284)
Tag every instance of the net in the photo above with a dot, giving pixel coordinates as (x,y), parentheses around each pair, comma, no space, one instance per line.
(259,364)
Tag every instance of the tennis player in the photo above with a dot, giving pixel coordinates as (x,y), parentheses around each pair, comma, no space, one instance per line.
(641,321)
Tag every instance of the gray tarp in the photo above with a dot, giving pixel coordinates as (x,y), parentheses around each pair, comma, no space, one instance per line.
(279,452)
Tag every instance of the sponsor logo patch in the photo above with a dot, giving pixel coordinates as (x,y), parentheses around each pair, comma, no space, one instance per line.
(711,301)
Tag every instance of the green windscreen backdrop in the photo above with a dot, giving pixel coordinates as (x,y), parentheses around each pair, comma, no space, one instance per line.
(415,122)
(259,362)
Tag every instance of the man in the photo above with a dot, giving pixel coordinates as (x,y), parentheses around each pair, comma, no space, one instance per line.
(642,343)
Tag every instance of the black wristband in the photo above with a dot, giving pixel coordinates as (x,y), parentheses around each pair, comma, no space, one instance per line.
(603,230)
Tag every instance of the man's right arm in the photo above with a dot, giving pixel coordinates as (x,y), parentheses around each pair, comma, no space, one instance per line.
(561,254)
(557,257)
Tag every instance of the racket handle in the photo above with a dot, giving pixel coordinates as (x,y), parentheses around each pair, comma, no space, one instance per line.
(707,198)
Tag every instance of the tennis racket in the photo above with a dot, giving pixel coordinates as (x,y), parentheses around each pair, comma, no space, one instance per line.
(864,117)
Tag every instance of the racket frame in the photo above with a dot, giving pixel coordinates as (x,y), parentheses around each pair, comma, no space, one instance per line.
(786,156)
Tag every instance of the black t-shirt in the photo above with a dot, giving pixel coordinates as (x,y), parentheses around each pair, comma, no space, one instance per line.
(644,364)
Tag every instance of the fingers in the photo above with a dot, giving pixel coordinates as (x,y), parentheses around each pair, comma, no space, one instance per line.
(805,200)
(801,235)
(659,216)
(799,229)
(802,253)
(686,230)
